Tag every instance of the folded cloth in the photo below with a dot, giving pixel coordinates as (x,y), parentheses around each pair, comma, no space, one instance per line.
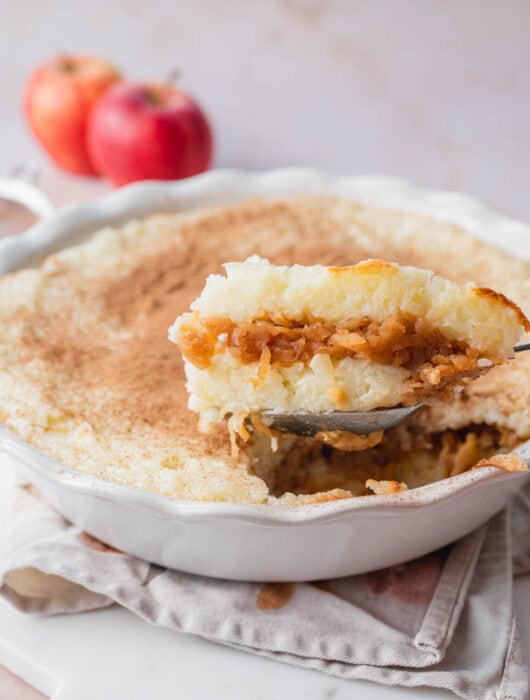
(445,620)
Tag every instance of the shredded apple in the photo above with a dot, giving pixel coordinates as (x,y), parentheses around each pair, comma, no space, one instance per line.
(401,341)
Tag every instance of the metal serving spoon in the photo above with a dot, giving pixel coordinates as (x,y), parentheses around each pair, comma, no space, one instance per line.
(358,422)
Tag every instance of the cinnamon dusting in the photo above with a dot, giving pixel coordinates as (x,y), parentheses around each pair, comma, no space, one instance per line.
(504,301)
(138,377)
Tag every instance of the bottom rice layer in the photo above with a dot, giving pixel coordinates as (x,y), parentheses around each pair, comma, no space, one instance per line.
(306,470)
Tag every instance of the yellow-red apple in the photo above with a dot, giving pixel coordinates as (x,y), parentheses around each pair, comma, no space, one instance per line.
(143,131)
(58,99)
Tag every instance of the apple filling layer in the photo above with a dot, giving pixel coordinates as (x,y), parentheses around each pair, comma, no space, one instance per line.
(399,341)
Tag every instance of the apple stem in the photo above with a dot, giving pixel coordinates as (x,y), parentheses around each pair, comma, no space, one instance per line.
(174,76)
(66,63)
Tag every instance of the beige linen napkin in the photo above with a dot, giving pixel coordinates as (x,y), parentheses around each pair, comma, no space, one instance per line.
(445,620)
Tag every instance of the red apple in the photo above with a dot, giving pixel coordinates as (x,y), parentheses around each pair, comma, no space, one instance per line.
(148,132)
(58,99)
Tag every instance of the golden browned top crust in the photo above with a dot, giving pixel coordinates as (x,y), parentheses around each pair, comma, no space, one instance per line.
(385,488)
(90,329)
(365,267)
(509,462)
(504,301)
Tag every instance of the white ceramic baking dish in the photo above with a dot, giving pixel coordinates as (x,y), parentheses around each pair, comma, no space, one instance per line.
(261,542)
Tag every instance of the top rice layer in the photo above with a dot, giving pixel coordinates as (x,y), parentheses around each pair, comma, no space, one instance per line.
(373,289)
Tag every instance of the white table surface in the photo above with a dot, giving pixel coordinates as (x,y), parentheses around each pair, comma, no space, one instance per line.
(436,93)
